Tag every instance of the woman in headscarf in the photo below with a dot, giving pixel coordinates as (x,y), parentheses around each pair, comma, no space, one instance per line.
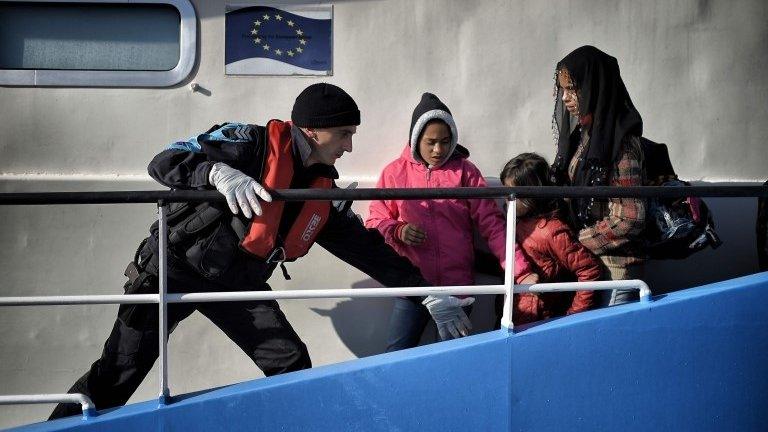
(598,131)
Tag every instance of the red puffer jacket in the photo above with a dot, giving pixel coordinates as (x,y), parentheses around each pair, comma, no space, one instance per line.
(556,256)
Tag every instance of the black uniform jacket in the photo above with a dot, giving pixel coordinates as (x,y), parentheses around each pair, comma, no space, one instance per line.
(214,252)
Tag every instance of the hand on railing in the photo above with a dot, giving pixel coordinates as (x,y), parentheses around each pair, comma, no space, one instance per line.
(239,189)
(531,279)
(452,322)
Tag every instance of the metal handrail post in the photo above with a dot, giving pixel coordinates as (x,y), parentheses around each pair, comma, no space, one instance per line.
(163,302)
(645,291)
(89,409)
(509,264)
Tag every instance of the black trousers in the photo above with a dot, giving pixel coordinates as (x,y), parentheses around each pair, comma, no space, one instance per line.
(258,327)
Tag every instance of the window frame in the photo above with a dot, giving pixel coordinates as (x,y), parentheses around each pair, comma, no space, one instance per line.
(101,78)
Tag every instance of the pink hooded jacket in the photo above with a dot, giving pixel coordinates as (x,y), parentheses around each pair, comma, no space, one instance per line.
(447,255)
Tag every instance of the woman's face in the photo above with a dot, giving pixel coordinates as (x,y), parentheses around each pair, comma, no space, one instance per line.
(570,98)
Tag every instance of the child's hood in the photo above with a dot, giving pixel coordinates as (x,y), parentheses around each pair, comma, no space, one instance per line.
(431,108)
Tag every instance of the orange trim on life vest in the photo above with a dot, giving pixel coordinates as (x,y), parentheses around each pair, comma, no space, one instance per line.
(261,239)
(278,172)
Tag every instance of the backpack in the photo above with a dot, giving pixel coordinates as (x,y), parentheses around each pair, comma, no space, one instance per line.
(675,227)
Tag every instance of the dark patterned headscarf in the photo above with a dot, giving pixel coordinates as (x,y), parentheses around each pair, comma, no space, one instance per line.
(604,99)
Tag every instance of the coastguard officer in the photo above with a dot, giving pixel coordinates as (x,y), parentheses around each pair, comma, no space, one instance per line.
(212,248)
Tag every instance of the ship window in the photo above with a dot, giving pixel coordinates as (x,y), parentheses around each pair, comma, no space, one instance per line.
(87,43)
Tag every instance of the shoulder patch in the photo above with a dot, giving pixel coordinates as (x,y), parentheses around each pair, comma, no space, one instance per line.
(241,132)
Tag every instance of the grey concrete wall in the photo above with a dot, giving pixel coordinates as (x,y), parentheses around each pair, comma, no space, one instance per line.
(695,70)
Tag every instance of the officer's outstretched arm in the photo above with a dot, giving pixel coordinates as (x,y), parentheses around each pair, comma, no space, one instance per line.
(345,237)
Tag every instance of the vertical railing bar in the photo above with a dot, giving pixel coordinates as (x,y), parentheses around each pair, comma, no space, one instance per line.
(509,266)
(163,303)
(645,291)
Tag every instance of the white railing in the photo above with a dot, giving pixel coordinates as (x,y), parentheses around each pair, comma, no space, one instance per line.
(89,409)
(321,293)
(163,298)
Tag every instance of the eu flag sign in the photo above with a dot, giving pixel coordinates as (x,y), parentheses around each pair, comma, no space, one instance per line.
(262,40)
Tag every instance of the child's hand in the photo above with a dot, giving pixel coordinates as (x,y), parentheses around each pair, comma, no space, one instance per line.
(412,235)
(530,279)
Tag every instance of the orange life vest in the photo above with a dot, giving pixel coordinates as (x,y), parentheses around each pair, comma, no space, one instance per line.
(262,238)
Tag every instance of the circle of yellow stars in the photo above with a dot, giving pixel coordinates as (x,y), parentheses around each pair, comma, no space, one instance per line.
(278,52)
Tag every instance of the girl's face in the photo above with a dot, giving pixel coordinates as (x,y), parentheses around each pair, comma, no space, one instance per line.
(435,143)
(520,208)
(570,98)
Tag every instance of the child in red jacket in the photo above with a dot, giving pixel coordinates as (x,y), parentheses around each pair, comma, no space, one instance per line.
(555,254)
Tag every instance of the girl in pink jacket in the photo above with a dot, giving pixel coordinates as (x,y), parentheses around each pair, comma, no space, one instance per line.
(436,235)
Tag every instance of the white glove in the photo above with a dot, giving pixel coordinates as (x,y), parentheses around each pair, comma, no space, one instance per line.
(238,188)
(452,322)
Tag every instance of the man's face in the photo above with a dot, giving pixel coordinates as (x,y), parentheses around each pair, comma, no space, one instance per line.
(330,143)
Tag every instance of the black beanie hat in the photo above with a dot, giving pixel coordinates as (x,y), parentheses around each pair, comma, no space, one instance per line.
(430,108)
(428,102)
(324,105)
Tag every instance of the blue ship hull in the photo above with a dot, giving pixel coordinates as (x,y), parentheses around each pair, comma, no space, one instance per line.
(690,360)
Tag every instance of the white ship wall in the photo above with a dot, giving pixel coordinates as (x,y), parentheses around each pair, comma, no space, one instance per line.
(695,70)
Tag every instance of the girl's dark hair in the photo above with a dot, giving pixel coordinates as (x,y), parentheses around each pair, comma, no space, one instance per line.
(530,169)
